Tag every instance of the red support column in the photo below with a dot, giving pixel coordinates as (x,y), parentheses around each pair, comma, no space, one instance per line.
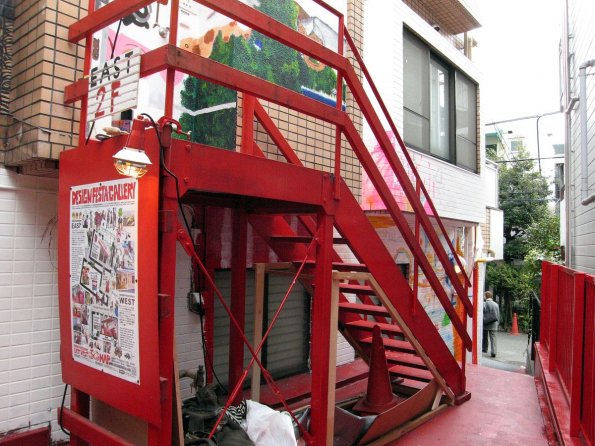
(248,124)
(576,390)
(475,346)
(544,323)
(212,260)
(553,309)
(80,404)
(171,73)
(322,409)
(168,208)
(238,298)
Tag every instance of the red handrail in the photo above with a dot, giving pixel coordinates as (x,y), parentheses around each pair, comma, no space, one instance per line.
(404,150)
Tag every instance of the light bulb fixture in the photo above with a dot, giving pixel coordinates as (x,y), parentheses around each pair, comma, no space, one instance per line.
(132,160)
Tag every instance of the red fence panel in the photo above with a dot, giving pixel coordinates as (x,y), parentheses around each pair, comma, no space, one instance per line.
(564,316)
(588,376)
(568,333)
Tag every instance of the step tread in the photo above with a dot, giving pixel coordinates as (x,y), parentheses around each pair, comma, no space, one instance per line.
(357,289)
(392,344)
(303,239)
(406,359)
(410,373)
(341,266)
(375,310)
(369,325)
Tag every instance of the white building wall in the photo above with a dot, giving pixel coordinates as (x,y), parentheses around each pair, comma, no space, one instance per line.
(457,193)
(30,378)
(582,217)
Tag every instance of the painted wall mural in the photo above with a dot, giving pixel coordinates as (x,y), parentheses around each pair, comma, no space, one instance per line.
(461,239)
(209,111)
(371,200)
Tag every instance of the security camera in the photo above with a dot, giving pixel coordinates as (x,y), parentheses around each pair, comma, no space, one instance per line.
(436,27)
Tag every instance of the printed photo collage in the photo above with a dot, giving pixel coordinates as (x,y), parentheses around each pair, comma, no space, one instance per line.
(107,274)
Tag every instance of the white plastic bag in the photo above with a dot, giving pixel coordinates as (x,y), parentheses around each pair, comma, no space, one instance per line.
(267,427)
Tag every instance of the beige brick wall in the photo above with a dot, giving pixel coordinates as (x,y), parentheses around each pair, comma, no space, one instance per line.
(44,62)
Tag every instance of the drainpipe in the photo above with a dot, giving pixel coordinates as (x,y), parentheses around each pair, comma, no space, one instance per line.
(582,74)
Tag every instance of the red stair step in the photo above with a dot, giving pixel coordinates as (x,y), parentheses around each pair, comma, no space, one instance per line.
(392,344)
(340,266)
(406,359)
(303,239)
(372,310)
(415,374)
(356,289)
(389,329)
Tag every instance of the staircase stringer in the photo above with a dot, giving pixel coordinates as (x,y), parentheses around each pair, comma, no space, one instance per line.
(287,151)
(447,364)
(392,206)
(397,167)
(410,337)
(366,160)
(370,250)
(366,73)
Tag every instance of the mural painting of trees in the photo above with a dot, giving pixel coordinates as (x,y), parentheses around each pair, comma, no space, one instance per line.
(260,56)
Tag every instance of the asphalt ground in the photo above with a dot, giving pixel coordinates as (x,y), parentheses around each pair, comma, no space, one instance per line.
(512,354)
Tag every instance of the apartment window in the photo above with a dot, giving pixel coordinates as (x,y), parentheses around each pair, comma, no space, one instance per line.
(440,106)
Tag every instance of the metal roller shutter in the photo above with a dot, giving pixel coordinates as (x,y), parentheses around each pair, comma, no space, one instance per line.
(287,349)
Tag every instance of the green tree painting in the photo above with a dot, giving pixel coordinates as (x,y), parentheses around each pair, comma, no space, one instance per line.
(260,56)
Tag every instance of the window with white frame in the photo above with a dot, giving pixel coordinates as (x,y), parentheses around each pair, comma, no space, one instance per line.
(440,106)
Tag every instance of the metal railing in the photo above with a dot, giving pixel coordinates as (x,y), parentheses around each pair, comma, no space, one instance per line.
(568,335)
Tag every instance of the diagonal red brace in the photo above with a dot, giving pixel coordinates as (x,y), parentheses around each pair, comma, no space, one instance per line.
(188,246)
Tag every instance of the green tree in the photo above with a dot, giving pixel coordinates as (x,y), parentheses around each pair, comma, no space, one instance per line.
(524,196)
(260,56)
(532,233)
(214,128)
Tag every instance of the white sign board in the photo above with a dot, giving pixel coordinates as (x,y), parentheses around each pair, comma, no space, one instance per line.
(103,277)
(113,86)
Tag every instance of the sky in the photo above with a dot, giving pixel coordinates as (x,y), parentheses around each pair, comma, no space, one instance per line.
(518,56)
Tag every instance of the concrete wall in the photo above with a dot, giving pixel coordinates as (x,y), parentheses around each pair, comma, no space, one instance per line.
(581,217)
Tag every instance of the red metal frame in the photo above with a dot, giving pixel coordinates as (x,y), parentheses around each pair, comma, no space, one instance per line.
(233,176)
(141,400)
(567,344)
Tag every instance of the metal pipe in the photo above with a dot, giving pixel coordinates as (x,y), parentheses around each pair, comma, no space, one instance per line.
(569,102)
(582,74)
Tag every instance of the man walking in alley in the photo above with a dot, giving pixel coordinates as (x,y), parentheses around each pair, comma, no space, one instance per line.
(491,319)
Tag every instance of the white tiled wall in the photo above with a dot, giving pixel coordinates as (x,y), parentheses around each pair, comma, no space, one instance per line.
(30,381)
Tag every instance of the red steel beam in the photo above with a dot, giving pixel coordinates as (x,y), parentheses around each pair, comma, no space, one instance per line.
(239,247)
(90,432)
(321,426)
(170,56)
(576,369)
(34,437)
(102,17)
(225,172)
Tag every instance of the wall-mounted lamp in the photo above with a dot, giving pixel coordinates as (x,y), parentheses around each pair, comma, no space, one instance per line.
(132,160)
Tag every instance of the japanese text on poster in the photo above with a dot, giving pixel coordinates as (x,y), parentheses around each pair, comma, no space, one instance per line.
(103,277)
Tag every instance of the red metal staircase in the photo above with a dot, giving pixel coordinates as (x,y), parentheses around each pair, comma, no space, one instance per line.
(372,292)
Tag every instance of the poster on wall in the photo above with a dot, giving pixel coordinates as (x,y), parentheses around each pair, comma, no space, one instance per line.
(103,277)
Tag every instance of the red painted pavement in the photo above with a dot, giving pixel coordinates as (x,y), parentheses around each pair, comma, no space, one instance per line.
(503,410)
